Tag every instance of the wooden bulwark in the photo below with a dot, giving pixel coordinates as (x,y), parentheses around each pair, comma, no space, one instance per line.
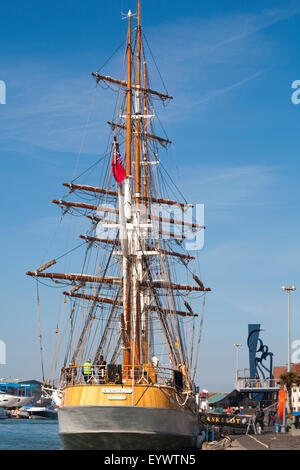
(101,395)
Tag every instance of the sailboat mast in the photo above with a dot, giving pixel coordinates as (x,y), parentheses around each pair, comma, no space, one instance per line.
(144,314)
(137,272)
(138,109)
(127,204)
(128,100)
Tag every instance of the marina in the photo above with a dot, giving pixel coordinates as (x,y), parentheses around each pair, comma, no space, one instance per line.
(27,435)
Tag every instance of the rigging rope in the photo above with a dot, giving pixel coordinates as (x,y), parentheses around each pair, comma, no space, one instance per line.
(40,331)
(85,132)
(199,339)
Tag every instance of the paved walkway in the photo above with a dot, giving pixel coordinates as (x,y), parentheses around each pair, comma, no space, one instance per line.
(266,441)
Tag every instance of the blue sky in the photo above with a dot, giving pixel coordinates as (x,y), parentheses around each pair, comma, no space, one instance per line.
(230,66)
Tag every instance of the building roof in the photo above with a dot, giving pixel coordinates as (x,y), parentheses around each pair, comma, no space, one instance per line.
(278,371)
(213,398)
(19,382)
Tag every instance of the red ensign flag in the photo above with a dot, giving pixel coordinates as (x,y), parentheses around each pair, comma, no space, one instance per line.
(117,167)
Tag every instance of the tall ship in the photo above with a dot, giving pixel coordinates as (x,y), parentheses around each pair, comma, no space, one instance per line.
(131,339)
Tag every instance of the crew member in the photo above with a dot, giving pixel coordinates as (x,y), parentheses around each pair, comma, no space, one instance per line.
(101,370)
(87,370)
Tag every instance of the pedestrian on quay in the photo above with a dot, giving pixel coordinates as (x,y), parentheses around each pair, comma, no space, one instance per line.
(259,420)
(270,418)
(290,422)
(277,422)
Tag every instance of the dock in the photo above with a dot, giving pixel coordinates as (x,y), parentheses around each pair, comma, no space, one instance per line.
(269,440)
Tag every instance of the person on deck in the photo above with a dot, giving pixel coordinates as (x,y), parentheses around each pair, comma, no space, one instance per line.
(70,374)
(101,369)
(87,370)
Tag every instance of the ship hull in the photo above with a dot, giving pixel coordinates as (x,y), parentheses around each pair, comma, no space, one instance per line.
(126,428)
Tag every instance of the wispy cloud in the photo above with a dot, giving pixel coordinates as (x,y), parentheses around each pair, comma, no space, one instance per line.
(254,23)
(215,93)
(233,187)
(210,57)
(207,58)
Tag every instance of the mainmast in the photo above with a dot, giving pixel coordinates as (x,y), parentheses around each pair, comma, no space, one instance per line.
(137,273)
(127,205)
(138,109)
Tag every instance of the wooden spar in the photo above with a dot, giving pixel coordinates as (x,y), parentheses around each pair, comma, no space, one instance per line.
(83,205)
(119,303)
(167,202)
(176,312)
(174,253)
(46,265)
(163,142)
(75,204)
(116,242)
(104,300)
(169,285)
(159,219)
(73,187)
(128,101)
(123,83)
(100,240)
(116,211)
(176,222)
(176,236)
(95,189)
(100,219)
(76,277)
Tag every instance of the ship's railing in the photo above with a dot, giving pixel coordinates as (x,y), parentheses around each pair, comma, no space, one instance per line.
(146,374)
(256,384)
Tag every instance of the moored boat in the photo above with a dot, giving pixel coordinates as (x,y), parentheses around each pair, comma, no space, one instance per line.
(41,412)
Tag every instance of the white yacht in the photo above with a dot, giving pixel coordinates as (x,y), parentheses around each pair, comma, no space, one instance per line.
(8,401)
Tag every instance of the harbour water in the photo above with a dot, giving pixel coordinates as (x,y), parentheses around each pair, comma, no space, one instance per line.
(27,434)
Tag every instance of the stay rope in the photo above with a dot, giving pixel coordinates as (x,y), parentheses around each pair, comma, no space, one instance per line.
(40,330)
